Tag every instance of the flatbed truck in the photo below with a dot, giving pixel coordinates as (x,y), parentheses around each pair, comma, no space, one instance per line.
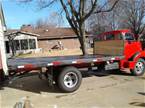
(114,50)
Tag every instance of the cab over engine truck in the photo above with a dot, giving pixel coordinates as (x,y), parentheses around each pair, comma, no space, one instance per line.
(114,50)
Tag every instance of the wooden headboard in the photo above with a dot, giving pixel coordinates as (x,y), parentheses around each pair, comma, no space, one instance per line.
(109,47)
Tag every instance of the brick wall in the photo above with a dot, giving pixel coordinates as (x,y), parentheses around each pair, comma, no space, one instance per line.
(67,44)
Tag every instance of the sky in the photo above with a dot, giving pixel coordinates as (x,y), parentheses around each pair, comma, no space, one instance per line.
(16,14)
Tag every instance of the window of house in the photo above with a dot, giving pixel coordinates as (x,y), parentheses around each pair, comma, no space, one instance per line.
(24,44)
(17,44)
(32,44)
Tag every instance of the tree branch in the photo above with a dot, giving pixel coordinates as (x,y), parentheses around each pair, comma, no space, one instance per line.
(108,10)
(94,4)
(68,17)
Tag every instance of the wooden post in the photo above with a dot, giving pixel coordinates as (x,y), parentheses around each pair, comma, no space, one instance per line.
(27,103)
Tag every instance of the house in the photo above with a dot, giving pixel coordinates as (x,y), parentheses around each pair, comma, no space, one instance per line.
(17,41)
(55,38)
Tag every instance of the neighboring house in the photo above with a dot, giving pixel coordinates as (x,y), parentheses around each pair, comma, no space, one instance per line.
(23,42)
(55,38)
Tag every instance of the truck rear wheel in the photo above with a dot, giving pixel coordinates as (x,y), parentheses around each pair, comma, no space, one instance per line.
(139,68)
(69,79)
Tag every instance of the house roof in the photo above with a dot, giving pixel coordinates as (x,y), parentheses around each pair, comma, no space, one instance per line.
(53,33)
(15,31)
(44,33)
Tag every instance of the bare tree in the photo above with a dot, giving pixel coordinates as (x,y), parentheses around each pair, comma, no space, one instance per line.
(40,23)
(134,15)
(77,12)
(106,21)
(12,43)
(52,21)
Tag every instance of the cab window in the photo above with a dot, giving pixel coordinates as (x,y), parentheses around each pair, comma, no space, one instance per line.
(109,37)
(119,36)
(129,36)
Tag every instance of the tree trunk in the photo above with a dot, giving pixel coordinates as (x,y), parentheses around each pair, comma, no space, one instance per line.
(12,46)
(83,41)
(83,46)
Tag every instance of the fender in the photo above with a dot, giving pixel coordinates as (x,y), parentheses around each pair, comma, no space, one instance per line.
(134,56)
(132,61)
(139,55)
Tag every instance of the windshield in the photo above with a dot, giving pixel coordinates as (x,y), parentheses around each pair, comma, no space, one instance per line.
(129,36)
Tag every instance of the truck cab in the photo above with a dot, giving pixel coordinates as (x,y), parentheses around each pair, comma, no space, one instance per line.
(121,42)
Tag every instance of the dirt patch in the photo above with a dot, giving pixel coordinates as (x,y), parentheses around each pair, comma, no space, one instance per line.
(140,104)
(94,92)
(60,96)
(142,78)
(65,95)
(109,85)
(114,78)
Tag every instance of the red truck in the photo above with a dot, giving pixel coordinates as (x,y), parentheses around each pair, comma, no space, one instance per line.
(114,50)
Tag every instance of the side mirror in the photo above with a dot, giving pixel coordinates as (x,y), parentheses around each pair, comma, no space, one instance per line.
(129,42)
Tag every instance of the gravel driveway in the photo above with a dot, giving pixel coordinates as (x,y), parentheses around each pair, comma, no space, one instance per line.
(100,91)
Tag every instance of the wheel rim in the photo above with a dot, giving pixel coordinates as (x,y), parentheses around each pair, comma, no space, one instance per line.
(70,80)
(139,67)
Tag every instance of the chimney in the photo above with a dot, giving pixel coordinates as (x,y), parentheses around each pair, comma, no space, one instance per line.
(27,28)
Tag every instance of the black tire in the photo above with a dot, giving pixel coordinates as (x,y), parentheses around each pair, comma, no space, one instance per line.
(67,75)
(139,68)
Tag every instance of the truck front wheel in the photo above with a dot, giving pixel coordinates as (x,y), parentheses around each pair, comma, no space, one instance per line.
(69,79)
(139,68)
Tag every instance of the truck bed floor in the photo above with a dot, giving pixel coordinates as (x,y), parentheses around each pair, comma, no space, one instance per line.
(44,61)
